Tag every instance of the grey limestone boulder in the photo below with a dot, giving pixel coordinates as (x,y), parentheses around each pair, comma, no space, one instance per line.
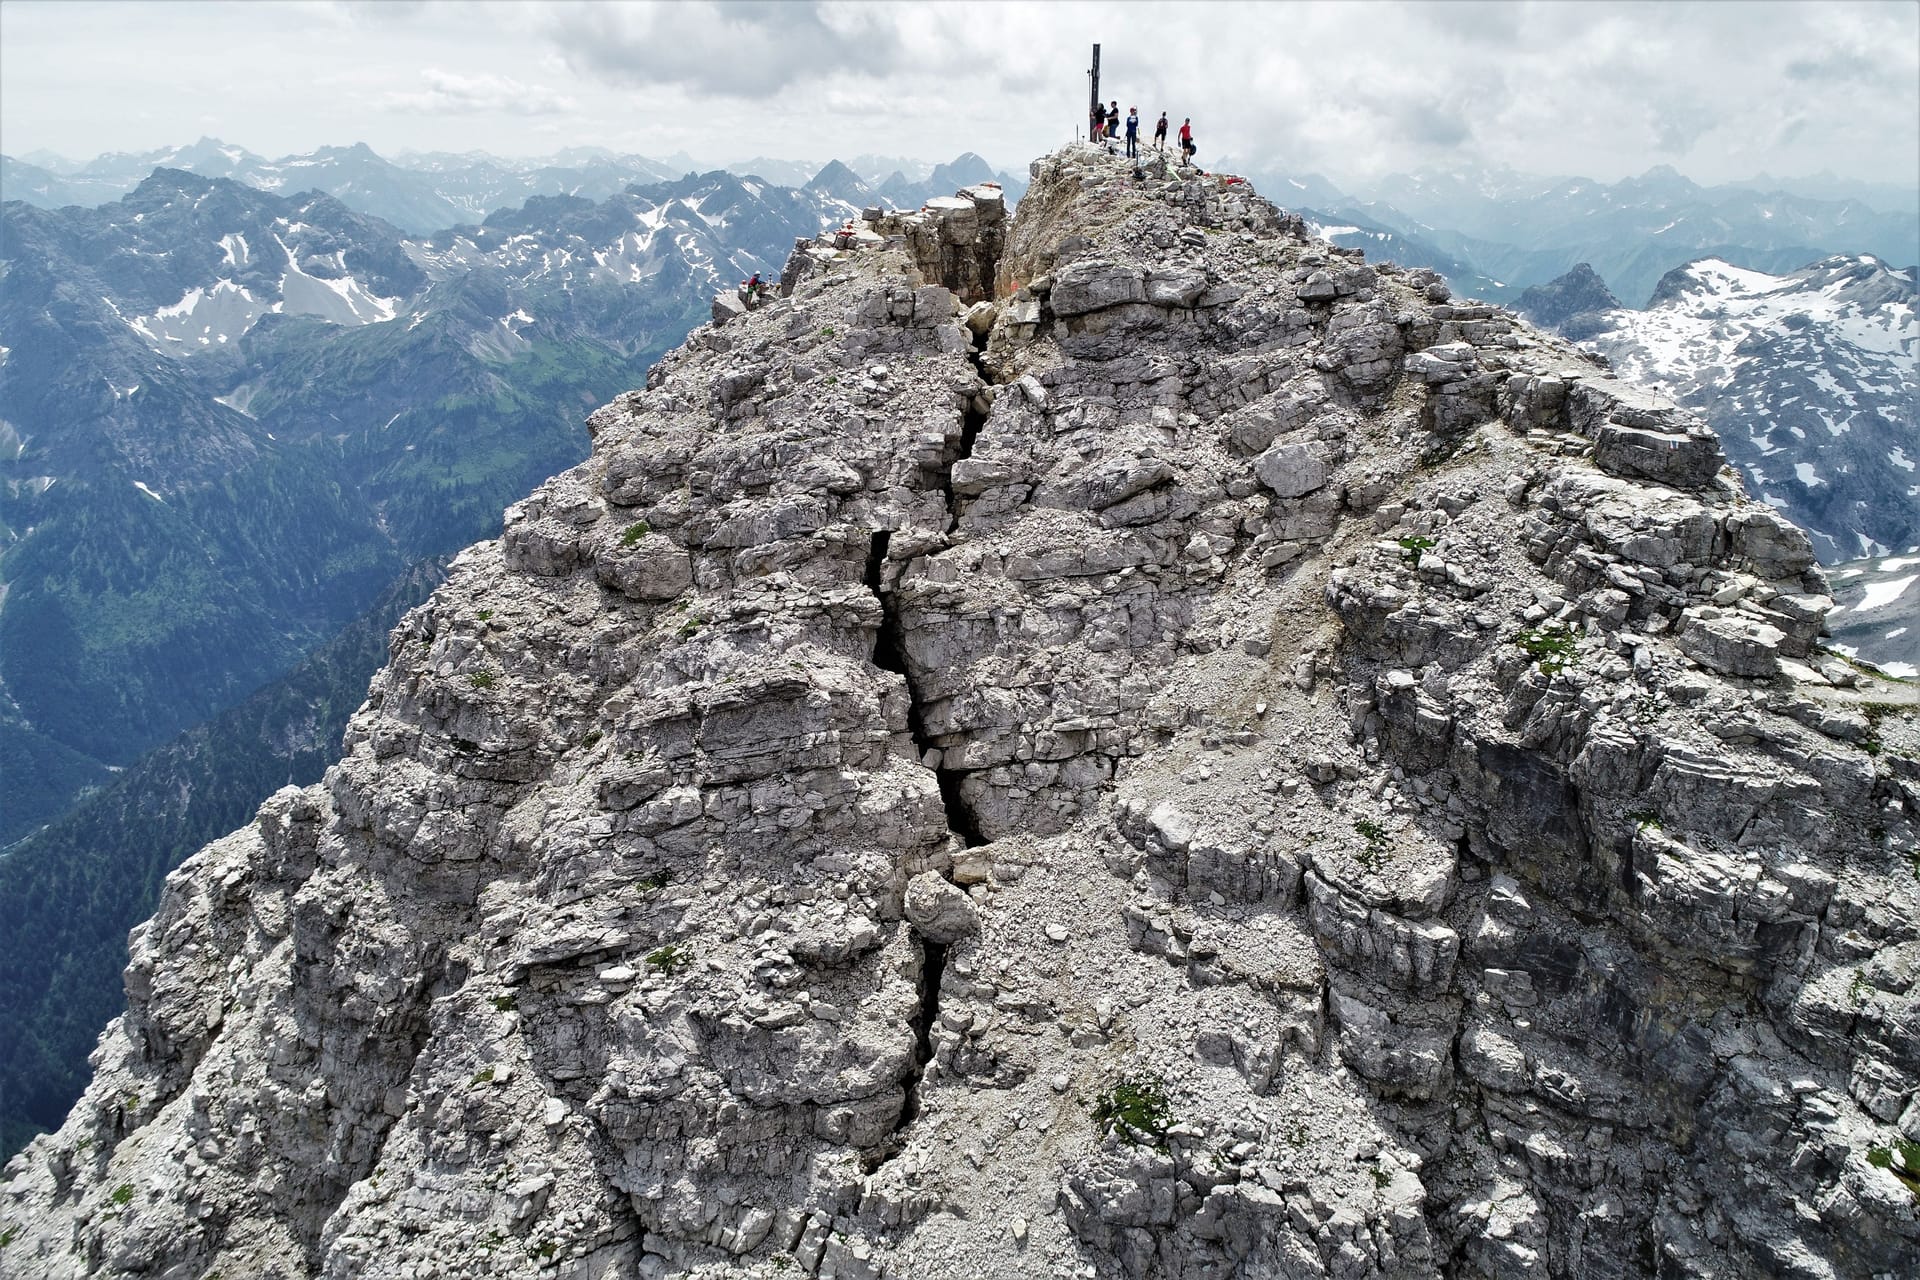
(1088,286)
(1731,644)
(1291,470)
(1317,287)
(1684,460)
(1772,544)
(1174,286)
(651,567)
(940,910)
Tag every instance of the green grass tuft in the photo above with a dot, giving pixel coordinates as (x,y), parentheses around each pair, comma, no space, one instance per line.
(1552,647)
(1379,844)
(669,960)
(1902,1160)
(1136,1107)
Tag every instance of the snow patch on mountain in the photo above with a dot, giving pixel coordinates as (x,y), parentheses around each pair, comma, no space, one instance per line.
(343,301)
(1878,595)
(1876,614)
(203,317)
(1816,371)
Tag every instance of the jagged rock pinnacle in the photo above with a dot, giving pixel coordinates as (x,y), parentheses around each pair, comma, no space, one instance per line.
(1116,742)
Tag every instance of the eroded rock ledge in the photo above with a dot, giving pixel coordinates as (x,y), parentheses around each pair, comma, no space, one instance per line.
(1130,642)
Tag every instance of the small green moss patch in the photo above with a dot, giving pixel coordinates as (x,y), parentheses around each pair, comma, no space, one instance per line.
(1551,647)
(1136,1107)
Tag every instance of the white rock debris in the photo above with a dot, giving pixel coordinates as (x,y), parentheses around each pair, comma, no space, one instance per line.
(1120,741)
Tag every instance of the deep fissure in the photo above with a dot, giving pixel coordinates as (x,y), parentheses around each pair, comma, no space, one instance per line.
(890,654)
(933,970)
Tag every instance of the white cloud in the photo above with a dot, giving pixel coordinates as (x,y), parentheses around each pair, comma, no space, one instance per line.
(1604,90)
(449,93)
(735,50)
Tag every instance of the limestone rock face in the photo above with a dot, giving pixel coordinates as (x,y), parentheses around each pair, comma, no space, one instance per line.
(1222,762)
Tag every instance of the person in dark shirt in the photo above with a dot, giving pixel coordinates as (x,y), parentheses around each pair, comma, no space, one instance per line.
(1133,132)
(1160,133)
(1113,119)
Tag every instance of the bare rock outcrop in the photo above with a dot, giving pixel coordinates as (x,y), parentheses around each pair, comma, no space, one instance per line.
(1121,741)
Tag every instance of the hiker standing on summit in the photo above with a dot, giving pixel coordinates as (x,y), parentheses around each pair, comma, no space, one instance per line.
(1133,132)
(1160,133)
(1186,140)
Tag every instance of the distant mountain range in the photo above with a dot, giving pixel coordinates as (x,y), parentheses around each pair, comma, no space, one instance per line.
(1495,233)
(427,192)
(231,418)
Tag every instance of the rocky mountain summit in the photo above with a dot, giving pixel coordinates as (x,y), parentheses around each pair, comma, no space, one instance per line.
(1568,304)
(1121,741)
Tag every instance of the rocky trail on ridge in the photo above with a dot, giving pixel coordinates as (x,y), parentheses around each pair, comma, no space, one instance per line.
(1117,741)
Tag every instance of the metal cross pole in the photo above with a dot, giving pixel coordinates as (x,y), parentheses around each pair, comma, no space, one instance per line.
(1093,103)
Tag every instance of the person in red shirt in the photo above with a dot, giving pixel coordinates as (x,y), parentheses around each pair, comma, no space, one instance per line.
(1186,139)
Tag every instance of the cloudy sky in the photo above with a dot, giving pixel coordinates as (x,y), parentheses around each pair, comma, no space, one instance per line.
(1717,90)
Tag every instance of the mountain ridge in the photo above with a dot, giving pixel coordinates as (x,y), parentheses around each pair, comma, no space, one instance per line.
(1130,739)
(428,192)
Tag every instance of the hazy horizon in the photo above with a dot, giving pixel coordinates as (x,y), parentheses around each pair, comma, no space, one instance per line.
(1719,92)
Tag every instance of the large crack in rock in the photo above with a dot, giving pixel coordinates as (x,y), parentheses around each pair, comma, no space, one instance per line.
(1130,742)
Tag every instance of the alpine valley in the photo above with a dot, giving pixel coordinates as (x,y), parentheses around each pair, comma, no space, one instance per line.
(234,427)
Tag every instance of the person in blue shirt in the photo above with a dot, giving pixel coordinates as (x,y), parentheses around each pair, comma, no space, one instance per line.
(1133,131)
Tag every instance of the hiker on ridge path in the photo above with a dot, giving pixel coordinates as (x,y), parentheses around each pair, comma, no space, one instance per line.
(1133,132)
(1160,133)
(1186,140)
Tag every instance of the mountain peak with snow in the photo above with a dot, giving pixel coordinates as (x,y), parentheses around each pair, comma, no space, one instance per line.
(1812,378)
(837,180)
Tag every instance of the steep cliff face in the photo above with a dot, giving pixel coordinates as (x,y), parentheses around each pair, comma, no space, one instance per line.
(1116,743)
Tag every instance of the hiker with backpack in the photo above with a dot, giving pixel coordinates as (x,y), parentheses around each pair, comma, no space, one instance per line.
(1160,133)
(1186,141)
